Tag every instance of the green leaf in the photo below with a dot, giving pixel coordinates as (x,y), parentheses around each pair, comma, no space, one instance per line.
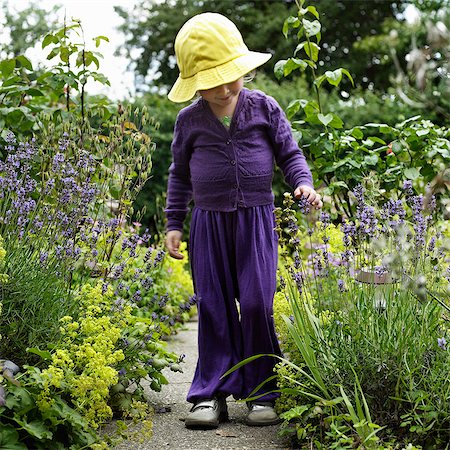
(311,28)
(79,60)
(411,119)
(313,11)
(290,22)
(25,62)
(334,186)
(336,122)
(293,108)
(300,46)
(44,354)
(294,413)
(371,160)
(397,146)
(312,50)
(49,39)
(347,73)
(98,40)
(376,139)
(298,135)
(292,64)
(53,53)
(311,108)
(357,133)
(95,61)
(9,439)
(35,428)
(325,119)
(279,69)
(412,173)
(319,80)
(334,77)
(7,67)
(64,54)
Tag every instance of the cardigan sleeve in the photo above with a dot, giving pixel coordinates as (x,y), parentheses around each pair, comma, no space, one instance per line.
(288,155)
(179,190)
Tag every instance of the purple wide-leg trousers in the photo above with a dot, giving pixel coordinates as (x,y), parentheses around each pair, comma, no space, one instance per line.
(234,257)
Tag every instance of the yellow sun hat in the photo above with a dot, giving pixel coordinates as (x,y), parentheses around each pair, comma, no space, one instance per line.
(210,52)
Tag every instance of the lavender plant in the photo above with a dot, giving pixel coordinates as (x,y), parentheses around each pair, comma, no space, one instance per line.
(39,224)
(378,338)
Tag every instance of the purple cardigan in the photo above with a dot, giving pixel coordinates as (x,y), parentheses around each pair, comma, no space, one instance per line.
(223,169)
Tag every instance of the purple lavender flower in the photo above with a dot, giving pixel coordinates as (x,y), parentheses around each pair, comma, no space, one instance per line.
(137,297)
(407,187)
(304,205)
(349,230)
(442,343)
(298,278)
(193,300)
(358,192)
(282,282)
(419,222)
(368,221)
(341,285)
(148,254)
(147,283)
(58,160)
(163,300)
(432,244)
(325,218)
(118,271)
(43,257)
(159,257)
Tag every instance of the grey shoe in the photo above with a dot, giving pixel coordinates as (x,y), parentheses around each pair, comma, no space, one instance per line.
(261,414)
(207,414)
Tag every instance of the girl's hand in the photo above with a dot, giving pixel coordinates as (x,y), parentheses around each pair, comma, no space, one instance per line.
(173,240)
(309,194)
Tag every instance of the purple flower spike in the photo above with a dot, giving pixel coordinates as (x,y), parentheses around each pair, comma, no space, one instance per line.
(407,187)
(304,206)
(442,343)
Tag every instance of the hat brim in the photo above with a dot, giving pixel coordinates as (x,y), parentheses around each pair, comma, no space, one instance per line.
(185,88)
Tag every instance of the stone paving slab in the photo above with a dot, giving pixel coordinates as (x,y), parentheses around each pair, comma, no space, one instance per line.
(168,427)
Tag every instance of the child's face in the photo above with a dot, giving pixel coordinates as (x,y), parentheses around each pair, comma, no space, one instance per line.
(224,94)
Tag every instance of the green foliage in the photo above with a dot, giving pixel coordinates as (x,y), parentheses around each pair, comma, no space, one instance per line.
(413,149)
(151,31)
(24,424)
(424,45)
(25,92)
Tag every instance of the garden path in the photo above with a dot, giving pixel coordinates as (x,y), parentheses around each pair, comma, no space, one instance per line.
(171,407)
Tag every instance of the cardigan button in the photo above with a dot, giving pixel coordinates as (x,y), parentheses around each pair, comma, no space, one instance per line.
(233,162)
(228,142)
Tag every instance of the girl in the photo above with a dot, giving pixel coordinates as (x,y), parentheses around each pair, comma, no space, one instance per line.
(224,148)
